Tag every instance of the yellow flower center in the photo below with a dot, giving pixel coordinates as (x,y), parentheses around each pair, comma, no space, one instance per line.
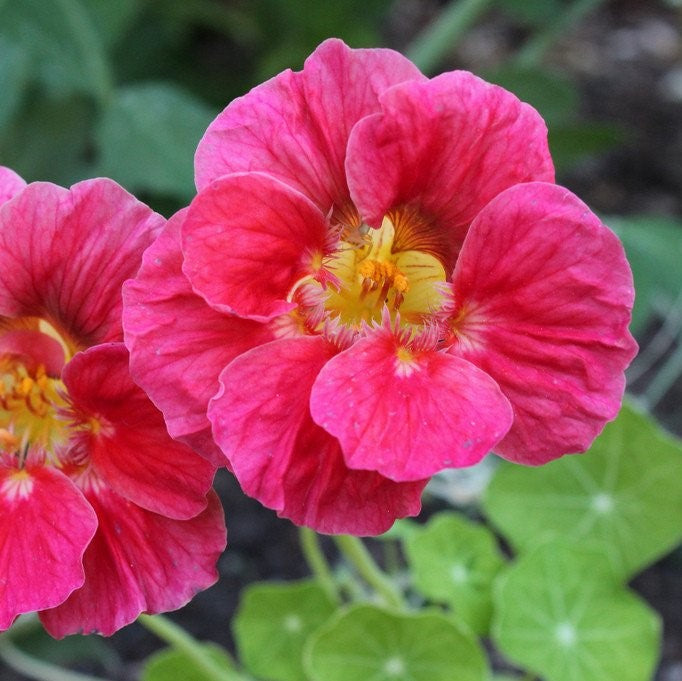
(34,408)
(373,271)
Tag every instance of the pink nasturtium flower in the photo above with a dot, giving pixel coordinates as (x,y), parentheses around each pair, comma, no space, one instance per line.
(102,514)
(377,280)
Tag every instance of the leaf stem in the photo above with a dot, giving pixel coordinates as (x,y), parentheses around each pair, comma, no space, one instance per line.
(179,639)
(33,668)
(440,37)
(310,545)
(356,553)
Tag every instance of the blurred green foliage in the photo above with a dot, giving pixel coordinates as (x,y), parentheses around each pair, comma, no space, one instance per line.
(125,89)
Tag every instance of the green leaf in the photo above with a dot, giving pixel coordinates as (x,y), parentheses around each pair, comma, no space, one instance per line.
(572,142)
(147,138)
(654,249)
(273,623)
(623,497)
(63,43)
(553,95)
(112,19)
(14,76)
(559,614)
(175,665)
(454,560)
(366,642)
(50,140)
(400,530)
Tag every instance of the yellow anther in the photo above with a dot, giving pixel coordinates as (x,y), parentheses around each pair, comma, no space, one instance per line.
(24,388)
(367,269)
(385,275)
(400,283)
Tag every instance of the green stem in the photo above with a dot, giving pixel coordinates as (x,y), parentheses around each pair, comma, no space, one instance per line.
(532,52)
(356,553)
(439,37)
(36,669)
(179,639)
(664,379)
(310,545)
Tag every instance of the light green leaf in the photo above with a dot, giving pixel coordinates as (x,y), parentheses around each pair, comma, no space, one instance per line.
(654,249)
(400,530)
(14,76)
(454,560)
(174,665)
(273,623)
(559,614)
(369,643)
(623,497)
(147,138)
(63,43)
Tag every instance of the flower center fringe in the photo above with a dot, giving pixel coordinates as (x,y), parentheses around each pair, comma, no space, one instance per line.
(367,274)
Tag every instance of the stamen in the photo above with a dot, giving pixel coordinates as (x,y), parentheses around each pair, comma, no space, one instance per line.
(384,274)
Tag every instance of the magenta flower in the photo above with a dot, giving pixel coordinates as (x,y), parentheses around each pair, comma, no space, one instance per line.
(103,516)
(382,281)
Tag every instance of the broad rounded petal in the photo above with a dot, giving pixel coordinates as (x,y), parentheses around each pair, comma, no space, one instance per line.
(64,255)
(445,147)
(10,184)
(45,526)
(247,239)
(139,562)
(127,438)
(544,296)
(286,461)
(405,413)
(296,125)
(178,344)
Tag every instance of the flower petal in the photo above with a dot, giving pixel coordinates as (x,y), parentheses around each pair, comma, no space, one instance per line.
(178,344)
(23,340)
(286,461)
(247,239)
(64,255)
(296,125)
(10,184)
(139,562)
(544,294)
(445,146)
(127,438)
(405,413)
(45,526)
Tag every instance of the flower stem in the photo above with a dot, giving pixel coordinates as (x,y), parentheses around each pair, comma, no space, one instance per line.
(310,545)
(356,553)
(179,639)
(533,51)
(440,37)
(32,668)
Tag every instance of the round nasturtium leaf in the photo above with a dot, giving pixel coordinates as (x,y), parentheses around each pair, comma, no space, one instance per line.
(623,496)
(273,623)
(367,642)
(176,665)
(454,560)
(559,613)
